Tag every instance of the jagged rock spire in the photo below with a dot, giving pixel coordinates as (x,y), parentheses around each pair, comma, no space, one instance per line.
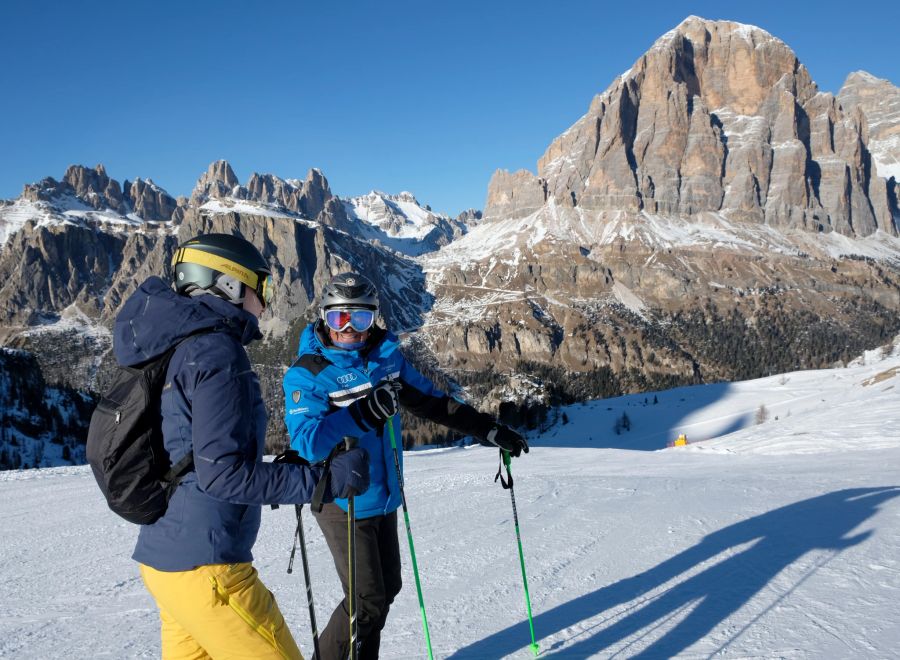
(218,181)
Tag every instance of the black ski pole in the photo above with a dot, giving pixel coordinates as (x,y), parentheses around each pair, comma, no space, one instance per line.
(291,456)
(309,593)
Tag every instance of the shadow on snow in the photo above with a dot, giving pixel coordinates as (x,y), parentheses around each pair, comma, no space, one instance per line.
(704,599)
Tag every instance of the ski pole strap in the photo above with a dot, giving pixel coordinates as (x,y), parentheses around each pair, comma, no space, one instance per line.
(507,484)
(319,493)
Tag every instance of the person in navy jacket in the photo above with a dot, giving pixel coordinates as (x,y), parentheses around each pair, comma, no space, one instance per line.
(196,559)
(349,379)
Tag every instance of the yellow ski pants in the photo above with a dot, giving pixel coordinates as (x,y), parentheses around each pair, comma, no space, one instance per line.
(219,612)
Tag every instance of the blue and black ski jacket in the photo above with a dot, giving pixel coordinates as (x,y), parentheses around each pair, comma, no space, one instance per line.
(324,381)
(211,406)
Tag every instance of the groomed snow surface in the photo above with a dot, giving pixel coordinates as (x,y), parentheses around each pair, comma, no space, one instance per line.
(778,539)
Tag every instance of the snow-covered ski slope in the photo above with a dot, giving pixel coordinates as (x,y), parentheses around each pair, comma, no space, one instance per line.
(772,540)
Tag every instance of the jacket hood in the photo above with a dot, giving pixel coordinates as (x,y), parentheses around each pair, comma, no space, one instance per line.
(380,342)
(155,318)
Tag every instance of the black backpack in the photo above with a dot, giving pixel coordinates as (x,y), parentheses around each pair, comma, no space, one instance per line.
(125,443)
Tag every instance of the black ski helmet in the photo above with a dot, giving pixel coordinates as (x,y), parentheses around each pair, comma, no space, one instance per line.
(349,291)
(221,264)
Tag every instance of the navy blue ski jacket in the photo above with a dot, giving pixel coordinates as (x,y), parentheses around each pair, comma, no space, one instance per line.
(211,405)
(323,383)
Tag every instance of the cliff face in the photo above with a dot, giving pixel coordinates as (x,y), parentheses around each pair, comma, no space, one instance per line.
(716,117)
(878,101)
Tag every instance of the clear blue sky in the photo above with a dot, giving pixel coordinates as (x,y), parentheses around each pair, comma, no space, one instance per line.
(426,96)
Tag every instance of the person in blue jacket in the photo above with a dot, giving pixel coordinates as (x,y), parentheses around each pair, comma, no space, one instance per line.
(196,559)
(349,379)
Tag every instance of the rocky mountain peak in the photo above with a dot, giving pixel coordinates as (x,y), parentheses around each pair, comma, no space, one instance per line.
(725,63)
(218,181)
(149,201)
(879,102)
(469,217)
(406,196)
(94,187)
(90,186)
(716,117)
(311,197)
(316,195)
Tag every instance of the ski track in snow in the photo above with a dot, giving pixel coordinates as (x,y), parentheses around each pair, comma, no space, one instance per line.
(774,540)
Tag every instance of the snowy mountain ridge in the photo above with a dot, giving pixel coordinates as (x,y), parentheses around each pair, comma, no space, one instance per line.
(68,210)
(402,223)
(511,240)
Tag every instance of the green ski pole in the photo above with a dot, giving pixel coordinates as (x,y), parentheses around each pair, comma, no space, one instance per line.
(412,549)
(534,646)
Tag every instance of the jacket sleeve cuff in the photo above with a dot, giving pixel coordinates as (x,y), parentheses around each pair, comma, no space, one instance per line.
(357,413)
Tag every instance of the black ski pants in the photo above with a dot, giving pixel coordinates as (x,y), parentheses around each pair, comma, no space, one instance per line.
(378,580)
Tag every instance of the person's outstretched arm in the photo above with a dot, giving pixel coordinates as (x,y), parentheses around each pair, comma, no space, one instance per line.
(423,399)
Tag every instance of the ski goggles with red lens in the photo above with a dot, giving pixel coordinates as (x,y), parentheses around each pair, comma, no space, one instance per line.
(358,319)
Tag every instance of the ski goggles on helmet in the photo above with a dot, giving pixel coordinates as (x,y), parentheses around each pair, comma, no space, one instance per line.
(359,320)
(265,289)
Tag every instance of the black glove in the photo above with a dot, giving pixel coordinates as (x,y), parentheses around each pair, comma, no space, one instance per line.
(382,403)
(507,439)
(349,474)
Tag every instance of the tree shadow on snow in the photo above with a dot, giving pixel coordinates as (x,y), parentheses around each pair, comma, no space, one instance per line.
(704,599)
